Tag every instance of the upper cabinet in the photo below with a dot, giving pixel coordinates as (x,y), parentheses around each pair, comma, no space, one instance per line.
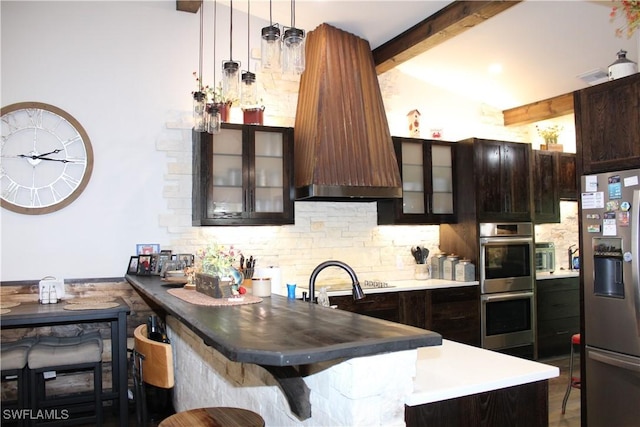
(567,177)
(243,176)
(427,169)
(496,175)
(546,196)
(608,126)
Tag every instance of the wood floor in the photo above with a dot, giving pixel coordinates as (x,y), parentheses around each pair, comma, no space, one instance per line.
(557,389)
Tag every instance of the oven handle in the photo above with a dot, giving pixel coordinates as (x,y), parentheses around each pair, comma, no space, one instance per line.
(502,240)
(506,296)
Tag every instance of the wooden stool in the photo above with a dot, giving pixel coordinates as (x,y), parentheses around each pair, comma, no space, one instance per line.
(214,417)
(574,382)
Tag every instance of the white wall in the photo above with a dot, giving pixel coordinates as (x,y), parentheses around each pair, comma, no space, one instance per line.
(124,70)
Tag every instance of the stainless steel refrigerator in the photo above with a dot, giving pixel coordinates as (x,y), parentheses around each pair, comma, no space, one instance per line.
(610,221)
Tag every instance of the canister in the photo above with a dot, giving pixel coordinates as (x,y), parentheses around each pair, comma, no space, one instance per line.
(261,286)
(465,271)
(437,265)
(449,267)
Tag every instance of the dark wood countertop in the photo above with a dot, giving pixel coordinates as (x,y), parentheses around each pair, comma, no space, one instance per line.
(283,332)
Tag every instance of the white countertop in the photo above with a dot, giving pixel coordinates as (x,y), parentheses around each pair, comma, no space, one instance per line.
(560,274)
(397,286)
(454,370)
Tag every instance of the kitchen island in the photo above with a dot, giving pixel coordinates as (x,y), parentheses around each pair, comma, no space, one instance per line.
(358,370)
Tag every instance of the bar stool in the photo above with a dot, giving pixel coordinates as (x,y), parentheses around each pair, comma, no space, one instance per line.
(574,382)
(214,417)
(67,354)
(13,360)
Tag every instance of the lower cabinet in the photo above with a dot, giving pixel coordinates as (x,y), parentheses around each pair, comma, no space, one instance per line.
(558,315)
(452,312)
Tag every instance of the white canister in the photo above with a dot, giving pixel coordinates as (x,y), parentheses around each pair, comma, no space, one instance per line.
(622,66)
(261,286)
(465,271)
(449,267)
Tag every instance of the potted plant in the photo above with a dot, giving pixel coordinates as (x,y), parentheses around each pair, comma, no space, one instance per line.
(215,96)
(214,272)
(550,136)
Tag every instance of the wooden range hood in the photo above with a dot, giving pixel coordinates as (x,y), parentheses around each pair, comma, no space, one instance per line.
(343,147)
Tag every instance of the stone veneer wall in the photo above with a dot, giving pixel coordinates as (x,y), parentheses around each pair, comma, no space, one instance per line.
(563,235)
(363,391)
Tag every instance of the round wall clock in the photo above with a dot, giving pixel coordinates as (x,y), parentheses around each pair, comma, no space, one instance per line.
(47,158)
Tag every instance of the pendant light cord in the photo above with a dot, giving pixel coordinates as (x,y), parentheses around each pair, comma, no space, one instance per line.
(248,32)
(200,51)
(231,32)
(293,13)
(215,21)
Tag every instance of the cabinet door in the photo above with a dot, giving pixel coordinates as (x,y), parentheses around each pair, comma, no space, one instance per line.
(455,313)
(427,182)
(227,192)
(503,180)
(567,181)
(546,199)
(608,125)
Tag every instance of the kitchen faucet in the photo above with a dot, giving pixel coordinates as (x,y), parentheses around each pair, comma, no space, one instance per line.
(357,290)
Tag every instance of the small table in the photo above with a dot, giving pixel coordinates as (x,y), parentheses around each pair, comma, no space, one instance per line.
(33,314)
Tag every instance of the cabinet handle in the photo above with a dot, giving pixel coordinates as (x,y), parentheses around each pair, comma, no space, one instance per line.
(562,332)
(458,318)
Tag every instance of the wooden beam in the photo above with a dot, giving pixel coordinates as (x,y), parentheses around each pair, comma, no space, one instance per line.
(443,25)
(192,6)
(540,110)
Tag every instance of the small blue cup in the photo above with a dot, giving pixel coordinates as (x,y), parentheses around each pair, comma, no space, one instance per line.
(291,290)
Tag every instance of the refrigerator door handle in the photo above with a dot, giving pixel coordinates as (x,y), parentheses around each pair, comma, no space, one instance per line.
(635,254)
(613,360)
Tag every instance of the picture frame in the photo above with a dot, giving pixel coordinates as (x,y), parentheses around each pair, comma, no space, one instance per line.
(132,268)
(186,259)
(163,258)
(147,248)
(144,265)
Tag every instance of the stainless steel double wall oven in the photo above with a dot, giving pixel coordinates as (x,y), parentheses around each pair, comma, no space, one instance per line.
(507,280)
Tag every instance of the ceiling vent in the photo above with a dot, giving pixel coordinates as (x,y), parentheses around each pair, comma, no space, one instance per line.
(594,77)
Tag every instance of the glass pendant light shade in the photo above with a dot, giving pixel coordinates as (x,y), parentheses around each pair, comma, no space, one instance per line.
(249,90)
(231,79)
(271,48)
(213,119)
(199,104)
(293,51)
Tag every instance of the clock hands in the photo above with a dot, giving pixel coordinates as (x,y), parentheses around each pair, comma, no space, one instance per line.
(55,160)
(33,156)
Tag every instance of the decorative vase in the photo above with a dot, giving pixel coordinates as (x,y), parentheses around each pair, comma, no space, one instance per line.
(253,116)
(212,286)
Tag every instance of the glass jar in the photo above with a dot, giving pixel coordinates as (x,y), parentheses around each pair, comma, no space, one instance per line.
(213,119)
(199,106)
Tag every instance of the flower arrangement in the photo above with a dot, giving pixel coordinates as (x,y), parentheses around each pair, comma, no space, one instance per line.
(214,94)
(630,10)
(550,134)
(216,260)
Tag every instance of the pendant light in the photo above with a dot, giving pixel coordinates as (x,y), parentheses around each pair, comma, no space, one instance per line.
(271,46)
(199,97)
(214,119)
(249,89)
(230,68)
(293,40)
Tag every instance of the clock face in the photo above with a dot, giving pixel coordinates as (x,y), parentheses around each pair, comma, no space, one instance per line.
(46,158)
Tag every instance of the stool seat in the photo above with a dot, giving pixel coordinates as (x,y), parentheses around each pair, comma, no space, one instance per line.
(56,351)
(14,354)
(214,417)
(575,339)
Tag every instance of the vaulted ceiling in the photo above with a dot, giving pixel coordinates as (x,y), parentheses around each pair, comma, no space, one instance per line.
(542,47)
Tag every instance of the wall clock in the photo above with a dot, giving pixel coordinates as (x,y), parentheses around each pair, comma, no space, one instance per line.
(46,158)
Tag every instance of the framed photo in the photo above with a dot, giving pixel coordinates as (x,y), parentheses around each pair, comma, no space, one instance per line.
(144,265)
(166,252)
(133,265)
(147,248)
(162,260)
(186,259)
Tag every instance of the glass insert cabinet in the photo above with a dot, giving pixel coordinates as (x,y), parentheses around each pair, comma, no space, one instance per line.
(243,176)
(427,169)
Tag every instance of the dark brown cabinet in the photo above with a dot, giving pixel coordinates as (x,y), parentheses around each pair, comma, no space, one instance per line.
(546,196)
(428,188)
(243,176)
(558,315)
(497,176)
(608,126)
(452,312)
(567,177)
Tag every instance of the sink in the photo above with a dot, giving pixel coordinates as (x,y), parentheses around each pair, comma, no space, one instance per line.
(333,287)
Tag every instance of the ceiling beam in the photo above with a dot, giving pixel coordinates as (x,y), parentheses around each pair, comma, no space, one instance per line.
(192,6)
(541,110)
(443,25)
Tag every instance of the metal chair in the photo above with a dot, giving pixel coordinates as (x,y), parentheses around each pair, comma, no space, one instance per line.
(574,382)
